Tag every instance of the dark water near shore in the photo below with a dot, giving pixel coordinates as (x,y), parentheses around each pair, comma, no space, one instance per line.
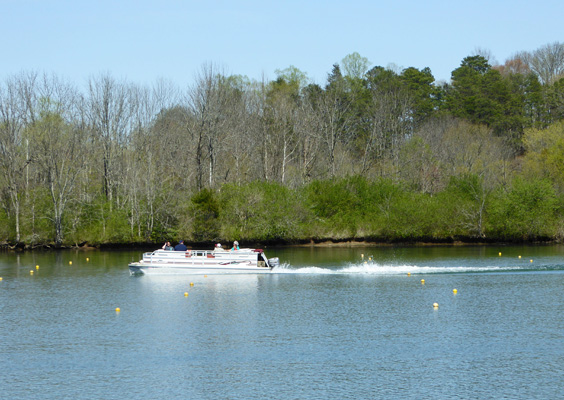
(328,325)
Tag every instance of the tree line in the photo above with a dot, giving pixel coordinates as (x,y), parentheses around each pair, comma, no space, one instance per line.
(374,153)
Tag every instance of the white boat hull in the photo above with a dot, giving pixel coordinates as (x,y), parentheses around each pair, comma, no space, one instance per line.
(137,268)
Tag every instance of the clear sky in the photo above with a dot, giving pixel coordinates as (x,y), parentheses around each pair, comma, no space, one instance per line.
(143,41)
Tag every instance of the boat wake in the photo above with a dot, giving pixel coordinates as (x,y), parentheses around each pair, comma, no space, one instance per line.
(388,269)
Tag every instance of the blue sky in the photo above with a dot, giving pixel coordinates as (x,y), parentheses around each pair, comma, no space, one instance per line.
(143,41)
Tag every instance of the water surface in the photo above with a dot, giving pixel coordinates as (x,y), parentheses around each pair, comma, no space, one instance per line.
(329,324)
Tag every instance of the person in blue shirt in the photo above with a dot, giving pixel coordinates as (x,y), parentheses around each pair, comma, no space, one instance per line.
(235,246)
(180,246)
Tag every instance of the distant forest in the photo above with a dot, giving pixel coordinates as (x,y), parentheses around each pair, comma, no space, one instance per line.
(374,154)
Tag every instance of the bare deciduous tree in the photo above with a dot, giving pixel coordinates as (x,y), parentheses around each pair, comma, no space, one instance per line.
(389,126)
(547,62)
(109,115)
(14,158)
(209,101)
(58,143)
(334,118)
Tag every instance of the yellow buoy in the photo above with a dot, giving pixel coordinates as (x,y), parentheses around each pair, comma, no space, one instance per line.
(205,276)
(519,257)
(70,262)
(409,274)
(0,278)
(422,281)
(37,267)
(500,253)
(454,291)
(87,259)
(31,272)
(191,283)
(185,294)
(118,309)
(435,305)
(531,260)
(362,256)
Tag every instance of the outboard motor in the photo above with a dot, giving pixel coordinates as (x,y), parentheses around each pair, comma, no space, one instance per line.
(273,262)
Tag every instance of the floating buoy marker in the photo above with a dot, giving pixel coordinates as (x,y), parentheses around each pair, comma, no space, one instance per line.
(409,274)
(37,267)
(454,291)
(500,253)
(531,260)
(519,257)
(70,262)
(31,272)
(191,283)
(435,305)
(422,281)
(362,256)
(0,278)
(185,294)
(87,259)
(118,309)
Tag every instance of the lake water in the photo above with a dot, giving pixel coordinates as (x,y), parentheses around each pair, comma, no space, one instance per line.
(329,325)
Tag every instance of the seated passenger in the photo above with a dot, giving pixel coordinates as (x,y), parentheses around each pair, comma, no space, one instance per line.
(235,246)
(167,246)
(180,246)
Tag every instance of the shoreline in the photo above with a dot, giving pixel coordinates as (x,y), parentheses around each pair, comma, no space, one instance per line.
(318,243)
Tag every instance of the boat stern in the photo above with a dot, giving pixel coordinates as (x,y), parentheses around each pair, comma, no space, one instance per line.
(273,262)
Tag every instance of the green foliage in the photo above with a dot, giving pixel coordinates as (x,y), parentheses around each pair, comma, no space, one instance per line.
(116,228)
(335,205)
(420,85)
(477,64)
(416,217)
(544,156)
(261,211)
(467,199)
(354,65)
(481,95)
(555,101)
(382,80)
(205,210)
(528,91)
(292,76)
(36,217)
(6,227)
(354,207)
(526,211)
(101,222)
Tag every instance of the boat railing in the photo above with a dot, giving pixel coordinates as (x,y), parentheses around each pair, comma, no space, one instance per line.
(171,255)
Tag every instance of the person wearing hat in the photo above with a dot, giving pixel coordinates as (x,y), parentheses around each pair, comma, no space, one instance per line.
(180,246)
(235,246)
